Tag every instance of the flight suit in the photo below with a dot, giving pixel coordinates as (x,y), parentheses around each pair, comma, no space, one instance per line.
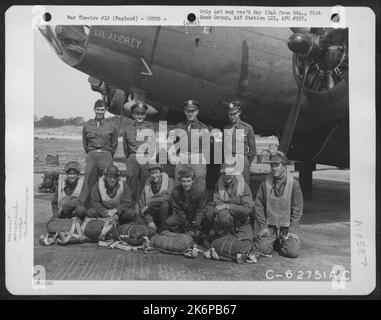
(249,147)
(156,199)
(66,202)
(100,140)
(278,210)
(186,206)
(137,173)
(194,154)
(103,199)
(235,218)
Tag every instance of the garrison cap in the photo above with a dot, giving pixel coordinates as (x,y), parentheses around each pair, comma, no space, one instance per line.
(139,107)
(276,157)
(111,170)
(191,104)
(155,166)
(234,106)
(99,104)
(73,165)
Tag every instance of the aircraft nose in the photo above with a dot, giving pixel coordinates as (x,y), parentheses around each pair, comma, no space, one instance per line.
(72,37)
(300,43)
(69,42)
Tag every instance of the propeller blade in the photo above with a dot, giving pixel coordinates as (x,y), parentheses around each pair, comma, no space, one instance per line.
(327,81)
(301,30)
(316,86)
(293,116)
(312,76)
(338,74)
(337,36)
(244,73)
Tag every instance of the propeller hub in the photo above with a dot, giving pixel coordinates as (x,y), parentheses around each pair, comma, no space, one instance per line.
(303,44)
(326,53)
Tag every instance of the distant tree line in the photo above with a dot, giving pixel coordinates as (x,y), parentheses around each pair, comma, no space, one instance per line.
(51,122)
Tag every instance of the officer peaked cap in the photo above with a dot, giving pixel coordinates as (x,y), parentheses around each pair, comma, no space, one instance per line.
(139,106)
(191,104)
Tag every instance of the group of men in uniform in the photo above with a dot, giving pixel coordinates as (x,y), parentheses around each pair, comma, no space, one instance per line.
(180,204)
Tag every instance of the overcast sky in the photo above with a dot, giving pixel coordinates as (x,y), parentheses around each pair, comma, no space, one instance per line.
(60,90)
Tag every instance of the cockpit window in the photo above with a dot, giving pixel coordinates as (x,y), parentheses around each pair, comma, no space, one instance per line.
(86,30)
(72,38)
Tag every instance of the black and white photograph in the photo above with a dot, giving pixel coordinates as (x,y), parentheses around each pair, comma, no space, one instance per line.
(195,152)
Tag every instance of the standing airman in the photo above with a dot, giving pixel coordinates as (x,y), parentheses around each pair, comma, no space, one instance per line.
(100,140)
(249,148)
(137,173)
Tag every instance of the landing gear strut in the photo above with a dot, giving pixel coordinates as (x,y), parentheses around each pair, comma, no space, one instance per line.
(305,175)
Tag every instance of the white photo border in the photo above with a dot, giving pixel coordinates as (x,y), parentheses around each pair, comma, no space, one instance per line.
(20,22)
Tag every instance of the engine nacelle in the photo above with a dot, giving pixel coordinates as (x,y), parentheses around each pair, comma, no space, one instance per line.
(326,51)
(119,102)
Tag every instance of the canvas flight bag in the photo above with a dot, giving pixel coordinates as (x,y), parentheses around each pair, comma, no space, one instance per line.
(99,229)
(230,247)
(172,242)
(134,233)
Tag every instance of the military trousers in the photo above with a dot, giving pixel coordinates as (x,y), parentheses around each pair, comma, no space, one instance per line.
(71,208)
(288,247)
(228,221)
(157,212)
(96,162)
(137,174)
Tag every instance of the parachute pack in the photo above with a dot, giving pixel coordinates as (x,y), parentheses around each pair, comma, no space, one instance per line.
(171,242)
(72,231)
(49,183)
(230,248)
(134,233)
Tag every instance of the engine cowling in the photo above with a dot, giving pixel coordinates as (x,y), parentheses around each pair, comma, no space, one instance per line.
(326,51)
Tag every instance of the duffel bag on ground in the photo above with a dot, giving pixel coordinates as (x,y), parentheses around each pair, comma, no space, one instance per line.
(133,233)
(99,229)
(59,225)
(233,248)
(172,242)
